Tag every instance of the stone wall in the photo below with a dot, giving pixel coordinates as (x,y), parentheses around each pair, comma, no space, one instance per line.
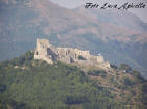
(41,51)
(46,51)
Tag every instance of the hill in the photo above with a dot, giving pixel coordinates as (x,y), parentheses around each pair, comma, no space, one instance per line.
(120,18)
(26,83)
(118,39)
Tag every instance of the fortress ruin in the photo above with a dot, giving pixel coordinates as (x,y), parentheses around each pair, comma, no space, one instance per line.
(47,52)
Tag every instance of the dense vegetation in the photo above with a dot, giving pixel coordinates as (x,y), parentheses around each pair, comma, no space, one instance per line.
(94,30)
(32,84)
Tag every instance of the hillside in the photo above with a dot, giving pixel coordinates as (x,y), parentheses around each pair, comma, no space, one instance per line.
(121,18)
(23,21)
(26,83)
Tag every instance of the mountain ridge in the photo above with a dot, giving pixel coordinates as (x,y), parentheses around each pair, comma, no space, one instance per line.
(121,18)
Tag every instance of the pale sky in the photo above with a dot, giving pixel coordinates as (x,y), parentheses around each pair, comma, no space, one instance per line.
(141,13)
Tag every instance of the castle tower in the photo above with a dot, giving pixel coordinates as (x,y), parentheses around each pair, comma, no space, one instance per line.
(41,51)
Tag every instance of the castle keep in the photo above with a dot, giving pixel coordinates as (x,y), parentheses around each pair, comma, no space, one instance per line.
(49,53)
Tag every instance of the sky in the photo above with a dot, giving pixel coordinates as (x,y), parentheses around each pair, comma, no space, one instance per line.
(141,13)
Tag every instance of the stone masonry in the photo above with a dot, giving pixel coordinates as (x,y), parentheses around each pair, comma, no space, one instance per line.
(49,53)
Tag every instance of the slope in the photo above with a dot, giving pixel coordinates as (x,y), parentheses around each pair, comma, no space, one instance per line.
(21,22)
(26,83)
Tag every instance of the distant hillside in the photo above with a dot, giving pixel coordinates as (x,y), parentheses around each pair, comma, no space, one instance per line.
(26,83)
(121,18)
(120,40)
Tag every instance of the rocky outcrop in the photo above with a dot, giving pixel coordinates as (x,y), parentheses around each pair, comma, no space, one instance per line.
(46,51)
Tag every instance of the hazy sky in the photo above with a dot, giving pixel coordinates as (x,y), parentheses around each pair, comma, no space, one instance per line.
(142,13)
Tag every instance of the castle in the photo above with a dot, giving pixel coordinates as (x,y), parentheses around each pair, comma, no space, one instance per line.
(49,53)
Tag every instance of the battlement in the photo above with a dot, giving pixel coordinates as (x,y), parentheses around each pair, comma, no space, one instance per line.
(49,53)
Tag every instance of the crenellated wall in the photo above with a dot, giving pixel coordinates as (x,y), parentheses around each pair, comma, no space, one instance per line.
(46,51)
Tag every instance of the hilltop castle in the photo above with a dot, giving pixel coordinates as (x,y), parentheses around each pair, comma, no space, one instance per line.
(49,53)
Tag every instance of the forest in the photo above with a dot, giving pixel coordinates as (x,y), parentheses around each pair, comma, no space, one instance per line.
(26,83)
